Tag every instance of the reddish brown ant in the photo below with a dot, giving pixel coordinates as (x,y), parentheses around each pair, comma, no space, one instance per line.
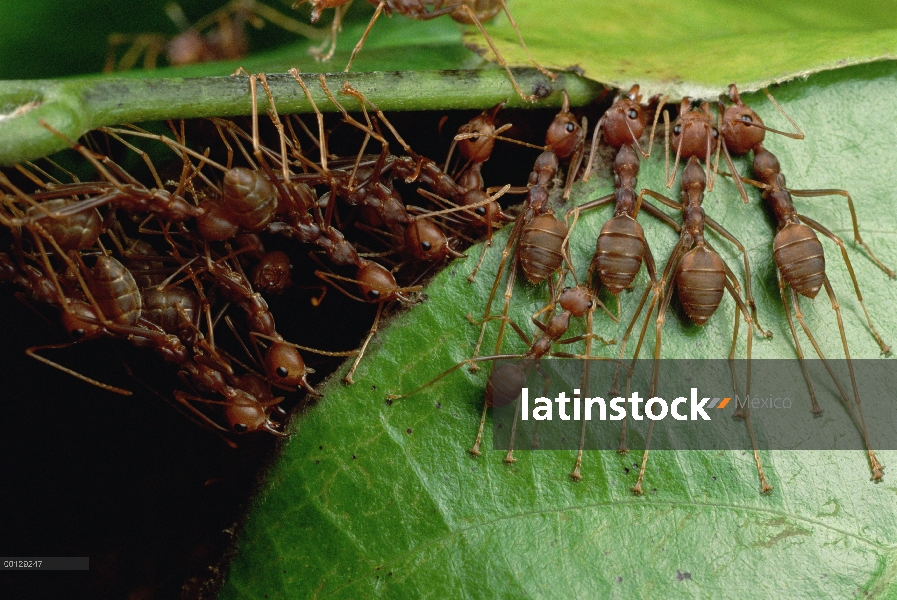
(574,302)
(538,239)
(702,278)
(799,255)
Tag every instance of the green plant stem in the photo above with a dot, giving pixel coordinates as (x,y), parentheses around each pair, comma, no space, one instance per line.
(74,107)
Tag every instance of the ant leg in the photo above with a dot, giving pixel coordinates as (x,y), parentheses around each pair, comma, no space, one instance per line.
(32,352)
(817,411)
(542,69)
(348,378)
(185,399)
(765,488)
(876,466)
(364,36)
(575,163)
(596,136)
(672,178)
(506,251)
(584,385)
(857,238)
(738,183)
(795,136)
(476,21)
(712,173)
(856,286)
(661,319)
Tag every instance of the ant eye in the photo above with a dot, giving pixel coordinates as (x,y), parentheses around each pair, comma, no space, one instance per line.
(570,127)
(373,294)
(426,246)
(677,129)
(747,118)
(590,304)
(240,427)
(632,113)
(282,372)
(567,289)
(715,133)
(480,210)
(78,334)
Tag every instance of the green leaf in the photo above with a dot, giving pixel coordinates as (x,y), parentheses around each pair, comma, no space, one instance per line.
(376,500)
(695,48)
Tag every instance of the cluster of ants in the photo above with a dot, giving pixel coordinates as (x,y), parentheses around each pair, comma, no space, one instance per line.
(166,277)
(694,269)
(198,252)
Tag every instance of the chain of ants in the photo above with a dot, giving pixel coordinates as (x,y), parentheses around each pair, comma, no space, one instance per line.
(66,235)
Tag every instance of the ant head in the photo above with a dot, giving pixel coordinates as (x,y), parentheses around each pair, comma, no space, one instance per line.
(284,366)
(564,134)
(625,121)
(742,128)
(485,215)
(694,133)
(376,283)
(81,322)
(766,165)
(505,383)
(479,149)
(273,273)
(425,241)
(544,169)
(577,300)
(626,163)
(246,414)
(693,178)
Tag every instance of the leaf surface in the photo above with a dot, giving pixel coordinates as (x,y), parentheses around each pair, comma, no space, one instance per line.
(695,48)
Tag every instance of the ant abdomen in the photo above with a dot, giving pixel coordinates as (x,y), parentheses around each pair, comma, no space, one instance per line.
(701,280)
(504,384)
(619,252)
(800,258)
(115,291)
(483,9)
(173,309)
(78,231)
(541,247)
(250,197)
